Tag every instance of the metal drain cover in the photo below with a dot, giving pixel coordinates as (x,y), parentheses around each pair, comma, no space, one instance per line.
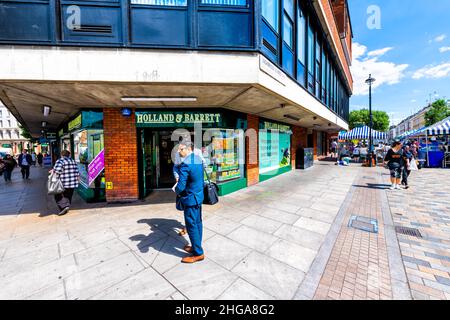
(408,231)
(363,223)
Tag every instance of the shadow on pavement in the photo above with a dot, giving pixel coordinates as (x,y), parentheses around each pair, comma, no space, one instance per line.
(374,186)
(160,229)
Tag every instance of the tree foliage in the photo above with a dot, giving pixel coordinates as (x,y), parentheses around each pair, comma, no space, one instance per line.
(439,111)
(361,117)
(25,133)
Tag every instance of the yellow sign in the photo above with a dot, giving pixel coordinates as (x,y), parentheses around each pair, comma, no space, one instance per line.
(75,123)
(109,185)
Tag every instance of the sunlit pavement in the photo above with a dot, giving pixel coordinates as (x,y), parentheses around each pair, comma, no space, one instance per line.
(275,240)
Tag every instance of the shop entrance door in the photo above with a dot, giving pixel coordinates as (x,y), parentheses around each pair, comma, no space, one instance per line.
(147,167)
(164,161)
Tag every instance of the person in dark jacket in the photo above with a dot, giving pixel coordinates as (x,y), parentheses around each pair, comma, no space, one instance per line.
(190,189)
(25,161)
(395,162)
(10,164)
(407,159)
(39,159)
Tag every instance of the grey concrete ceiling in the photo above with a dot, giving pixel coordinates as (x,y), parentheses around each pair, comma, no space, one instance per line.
(26,100)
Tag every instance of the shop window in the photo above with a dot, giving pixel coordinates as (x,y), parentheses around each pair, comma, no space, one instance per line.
(224,153)
(274,150)
(270,12)
(172,3)
(87,145)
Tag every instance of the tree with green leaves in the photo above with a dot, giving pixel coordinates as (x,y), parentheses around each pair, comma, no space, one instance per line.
(361,117)
(439,111)
(25,133)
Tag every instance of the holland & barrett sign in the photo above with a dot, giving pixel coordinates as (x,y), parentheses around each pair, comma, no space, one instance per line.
(177,119)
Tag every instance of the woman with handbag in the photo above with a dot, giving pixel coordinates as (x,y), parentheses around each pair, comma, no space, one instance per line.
(9,165)
(67,171)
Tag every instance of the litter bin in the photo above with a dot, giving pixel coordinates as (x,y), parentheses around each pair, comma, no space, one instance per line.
(305,158)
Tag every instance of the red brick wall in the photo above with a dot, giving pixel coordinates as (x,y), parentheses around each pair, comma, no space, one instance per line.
(121,155)
(299,139)
(251,150)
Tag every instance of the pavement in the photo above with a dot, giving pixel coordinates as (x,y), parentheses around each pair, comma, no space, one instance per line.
(285,238)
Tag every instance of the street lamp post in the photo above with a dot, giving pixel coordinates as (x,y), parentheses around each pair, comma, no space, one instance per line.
(369,81)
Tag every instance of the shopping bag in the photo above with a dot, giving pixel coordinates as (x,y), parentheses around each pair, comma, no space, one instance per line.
(54,184)
(210,192)
(413,165)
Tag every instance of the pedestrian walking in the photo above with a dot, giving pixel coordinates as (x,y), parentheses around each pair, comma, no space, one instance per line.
(25,162)
(33,158)
(68,173)
(408,157)
(394,162)
(39,159)
(190,191)
(10,164)
(334,149)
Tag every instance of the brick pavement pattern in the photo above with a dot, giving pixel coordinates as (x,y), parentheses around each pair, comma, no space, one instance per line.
(358,266)
(425,206)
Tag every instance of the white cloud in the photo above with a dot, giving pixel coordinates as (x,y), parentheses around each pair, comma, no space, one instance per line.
(413,100)
(440,38)
(433,72)
(444,49)
(379,52)
(364,64)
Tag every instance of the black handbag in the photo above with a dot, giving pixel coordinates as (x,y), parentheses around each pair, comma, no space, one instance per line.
(210,191)
(178,204)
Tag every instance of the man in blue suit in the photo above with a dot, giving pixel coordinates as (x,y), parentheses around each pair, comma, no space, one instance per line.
(190,190)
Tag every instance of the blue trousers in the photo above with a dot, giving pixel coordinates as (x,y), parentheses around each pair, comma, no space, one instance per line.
(194,227)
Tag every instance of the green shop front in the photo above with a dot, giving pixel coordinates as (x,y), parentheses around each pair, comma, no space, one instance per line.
(221,141)
(83,137)
(274,149)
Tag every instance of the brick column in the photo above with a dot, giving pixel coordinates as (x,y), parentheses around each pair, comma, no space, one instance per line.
(121,155)
(315,144)
(251,150)
(299,139)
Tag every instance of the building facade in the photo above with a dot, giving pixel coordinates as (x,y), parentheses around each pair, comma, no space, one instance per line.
(413,122)
(264,78)
(11,141)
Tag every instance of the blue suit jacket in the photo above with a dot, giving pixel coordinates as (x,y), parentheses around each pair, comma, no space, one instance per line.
(190,183)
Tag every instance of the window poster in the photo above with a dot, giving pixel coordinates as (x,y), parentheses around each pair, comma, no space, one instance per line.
(274,150)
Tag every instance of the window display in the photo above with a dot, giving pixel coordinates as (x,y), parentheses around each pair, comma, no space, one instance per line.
(88,144)
(274,147)
(225,155)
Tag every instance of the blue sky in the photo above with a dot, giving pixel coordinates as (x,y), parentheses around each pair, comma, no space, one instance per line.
(409,54)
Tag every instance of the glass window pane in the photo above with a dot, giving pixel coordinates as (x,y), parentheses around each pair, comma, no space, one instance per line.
(270,12)
(310,50)
(179,3)
(288,34)
(289,7)
(301,34)
(225,2)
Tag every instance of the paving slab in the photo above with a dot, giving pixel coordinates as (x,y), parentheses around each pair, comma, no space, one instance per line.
(252,238)
(270,275)
(225,251)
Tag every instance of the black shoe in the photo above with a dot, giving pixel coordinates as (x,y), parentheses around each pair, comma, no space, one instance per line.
(63,211)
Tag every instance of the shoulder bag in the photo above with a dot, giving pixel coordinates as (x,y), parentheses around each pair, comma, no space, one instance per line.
(54,184)
(210,191)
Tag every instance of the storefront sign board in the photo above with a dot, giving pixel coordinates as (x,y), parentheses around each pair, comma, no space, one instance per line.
(177,119)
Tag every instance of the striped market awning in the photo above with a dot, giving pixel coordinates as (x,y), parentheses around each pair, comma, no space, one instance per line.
(440,128)
(362,133)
